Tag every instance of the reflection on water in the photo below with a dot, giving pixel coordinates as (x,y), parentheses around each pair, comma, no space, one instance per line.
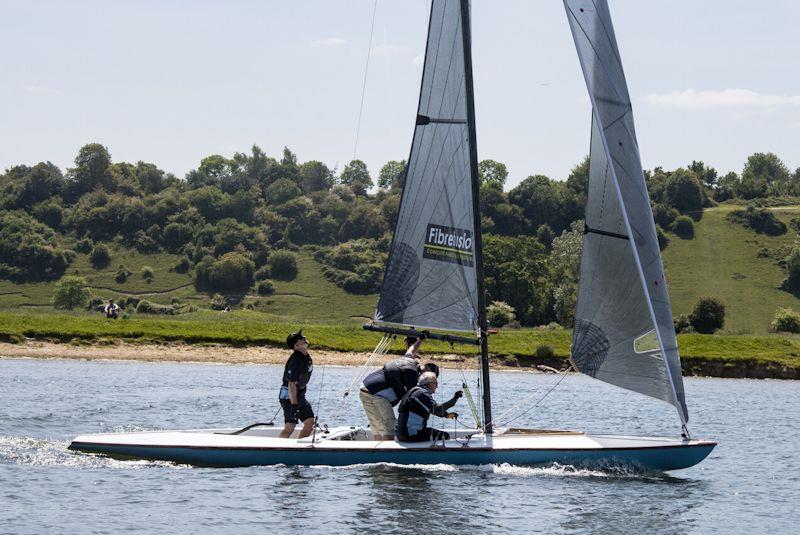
(750,483)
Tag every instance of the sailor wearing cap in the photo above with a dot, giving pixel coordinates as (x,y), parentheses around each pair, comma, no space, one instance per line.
(292,395)
(415,408)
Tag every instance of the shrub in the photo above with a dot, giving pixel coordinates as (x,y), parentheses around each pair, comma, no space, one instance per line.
(786,320)
(147,273)
(122,274)
(792,281)
(100,256)
(71,292)
(500,313)
(683,227)
(28,249)
(663,239)
(218,302)
(232,272)
(544,352)
(283,265)
(96,303)
(148,307)
(355,266)
(84,245)
(664,215)
(708,315)
(682,324)
(265,287)
(760,220)
(262,273)
(183,265)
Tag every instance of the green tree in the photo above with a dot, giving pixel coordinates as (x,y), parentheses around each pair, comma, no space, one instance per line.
(281,191)
(71,292)
(578,179)
(92,170)
(315,176)
(491,171)
(232,272)
(765,174)
(283,265)
(356,175)
(499,314)
(683,227)
(151,179)
(392,175)
(565,261)
(683,192)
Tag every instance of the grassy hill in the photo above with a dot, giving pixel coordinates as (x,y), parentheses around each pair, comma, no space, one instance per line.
(724,260)
(729,261)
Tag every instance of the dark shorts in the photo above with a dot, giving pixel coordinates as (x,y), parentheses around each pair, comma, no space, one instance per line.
(304,411)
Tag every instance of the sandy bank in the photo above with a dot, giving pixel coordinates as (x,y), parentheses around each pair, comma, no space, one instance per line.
(203,353)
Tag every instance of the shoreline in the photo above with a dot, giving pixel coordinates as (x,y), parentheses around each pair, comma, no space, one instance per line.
(218,354)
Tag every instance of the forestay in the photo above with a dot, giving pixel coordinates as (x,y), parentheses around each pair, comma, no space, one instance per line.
(623,333)
(430,279)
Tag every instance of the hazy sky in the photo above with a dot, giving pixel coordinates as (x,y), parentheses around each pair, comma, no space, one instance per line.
(173,81)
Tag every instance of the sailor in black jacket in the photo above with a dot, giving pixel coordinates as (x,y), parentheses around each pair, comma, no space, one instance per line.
(415,408)
(292,394)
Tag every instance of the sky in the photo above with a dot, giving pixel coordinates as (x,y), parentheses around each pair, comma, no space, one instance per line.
(171,82)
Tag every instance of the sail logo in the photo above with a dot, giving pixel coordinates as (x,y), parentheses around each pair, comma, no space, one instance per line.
(448,244)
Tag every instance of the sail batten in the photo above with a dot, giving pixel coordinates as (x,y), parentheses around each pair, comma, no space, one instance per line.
(622,295)
(431,273)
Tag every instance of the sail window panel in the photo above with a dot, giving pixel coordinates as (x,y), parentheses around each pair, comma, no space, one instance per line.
(430,279)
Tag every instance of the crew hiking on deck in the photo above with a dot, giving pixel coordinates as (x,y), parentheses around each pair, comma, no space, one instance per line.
(292,395)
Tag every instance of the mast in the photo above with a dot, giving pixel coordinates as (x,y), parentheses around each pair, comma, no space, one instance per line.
(476,213)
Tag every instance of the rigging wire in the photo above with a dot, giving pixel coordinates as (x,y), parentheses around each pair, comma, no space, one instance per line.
(500,421)
(364,82)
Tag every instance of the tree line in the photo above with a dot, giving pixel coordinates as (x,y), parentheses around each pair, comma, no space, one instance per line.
(229,216)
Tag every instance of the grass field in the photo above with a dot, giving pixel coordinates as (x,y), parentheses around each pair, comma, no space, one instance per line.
(255,328)
(722,261)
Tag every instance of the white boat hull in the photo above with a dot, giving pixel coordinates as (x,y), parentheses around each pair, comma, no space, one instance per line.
(347,446)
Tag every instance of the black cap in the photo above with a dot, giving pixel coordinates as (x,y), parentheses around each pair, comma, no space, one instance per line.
(292,339)
(431,367)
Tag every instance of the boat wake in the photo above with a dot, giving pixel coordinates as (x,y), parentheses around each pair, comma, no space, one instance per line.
(30,451)
(553,470)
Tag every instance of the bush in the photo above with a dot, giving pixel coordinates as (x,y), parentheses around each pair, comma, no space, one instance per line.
(682,324)
(148,307)
(544,352)
(71,292)
(283,265)
(183,265)
(147,273)
(500,313)
(786,320)
(760,220)
(792,281)
(262,273)
(683,227)
(355,266)
(96,304)
(664,215)
(265,287)
(122,274)
(218,302)
(708,315)
(100,256)
(663,239)
(28,249)
(84,245)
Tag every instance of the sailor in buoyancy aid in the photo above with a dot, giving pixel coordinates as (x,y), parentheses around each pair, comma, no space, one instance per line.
(415,408)
(384,388)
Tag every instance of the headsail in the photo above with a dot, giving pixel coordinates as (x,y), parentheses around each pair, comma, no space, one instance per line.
(431,277)
(623,333)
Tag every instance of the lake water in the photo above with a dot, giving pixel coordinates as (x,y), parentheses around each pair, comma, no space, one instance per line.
(749,484)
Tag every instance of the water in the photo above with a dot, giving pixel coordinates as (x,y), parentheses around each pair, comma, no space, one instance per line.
(749,484)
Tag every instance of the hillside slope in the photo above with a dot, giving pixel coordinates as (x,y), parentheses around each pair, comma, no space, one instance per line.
(723,261)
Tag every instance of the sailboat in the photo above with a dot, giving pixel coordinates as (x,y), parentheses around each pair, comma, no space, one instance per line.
(433,282)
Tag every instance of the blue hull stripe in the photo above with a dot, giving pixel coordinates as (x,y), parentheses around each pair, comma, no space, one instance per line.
(657,458)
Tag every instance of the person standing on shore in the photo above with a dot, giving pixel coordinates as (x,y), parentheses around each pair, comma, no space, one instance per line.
(292,396)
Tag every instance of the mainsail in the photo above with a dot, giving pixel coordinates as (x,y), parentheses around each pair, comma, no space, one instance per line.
(431,275)
(623,332)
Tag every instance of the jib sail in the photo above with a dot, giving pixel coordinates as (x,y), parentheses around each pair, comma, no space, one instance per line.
(623,333)
(431,278)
